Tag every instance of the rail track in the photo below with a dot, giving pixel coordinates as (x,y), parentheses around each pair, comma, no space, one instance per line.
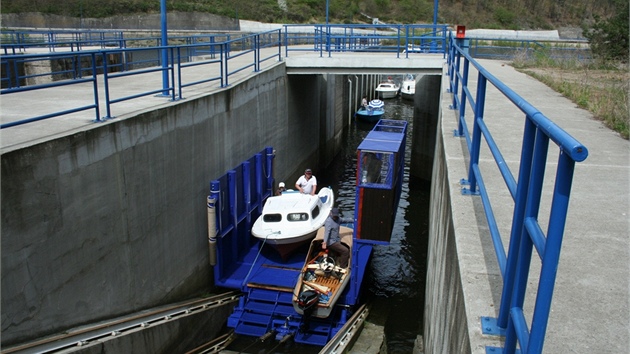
(121,326)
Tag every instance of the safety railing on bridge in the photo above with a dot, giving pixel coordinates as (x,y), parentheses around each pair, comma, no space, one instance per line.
(527,191)
(398,39)
(68,63)
(108,66)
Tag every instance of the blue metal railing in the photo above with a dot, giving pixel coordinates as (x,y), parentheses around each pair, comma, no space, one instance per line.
(132,57)
(111,64)
(526,232)
(398,39)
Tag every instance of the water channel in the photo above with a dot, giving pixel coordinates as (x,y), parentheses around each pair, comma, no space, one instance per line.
(397,272)
(395,279)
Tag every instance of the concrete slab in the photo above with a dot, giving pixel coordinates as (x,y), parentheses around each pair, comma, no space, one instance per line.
(590,310)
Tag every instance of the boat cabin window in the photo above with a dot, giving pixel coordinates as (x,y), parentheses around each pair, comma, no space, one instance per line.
(297,217)
(377,169)
(272,217)
(315,212)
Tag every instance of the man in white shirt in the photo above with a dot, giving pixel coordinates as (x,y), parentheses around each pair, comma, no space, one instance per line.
(307,183)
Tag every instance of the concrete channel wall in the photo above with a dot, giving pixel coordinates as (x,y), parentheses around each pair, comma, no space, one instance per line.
(111,221)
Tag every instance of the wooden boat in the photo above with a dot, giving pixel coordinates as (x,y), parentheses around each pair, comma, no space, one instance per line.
(321,282)
(292,218)
(373,112)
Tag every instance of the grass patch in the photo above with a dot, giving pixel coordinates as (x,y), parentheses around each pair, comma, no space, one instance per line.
(602,88)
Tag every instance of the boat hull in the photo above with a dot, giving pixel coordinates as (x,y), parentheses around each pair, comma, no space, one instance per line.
(407,95)
(387,90)
(328,283)
(408,87)
(387,93)
(370,116)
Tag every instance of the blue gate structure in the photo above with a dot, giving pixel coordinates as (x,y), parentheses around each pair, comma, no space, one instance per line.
(526,191)
(268,280)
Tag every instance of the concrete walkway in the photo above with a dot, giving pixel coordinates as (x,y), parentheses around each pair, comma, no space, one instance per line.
(590,312)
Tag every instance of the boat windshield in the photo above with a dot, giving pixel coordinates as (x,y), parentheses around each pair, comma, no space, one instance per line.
(297,217)
(272,217)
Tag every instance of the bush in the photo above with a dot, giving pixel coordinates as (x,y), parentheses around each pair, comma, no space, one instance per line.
(609,38)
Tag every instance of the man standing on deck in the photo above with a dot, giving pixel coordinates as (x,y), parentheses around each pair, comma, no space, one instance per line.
(332,239)
(307,183)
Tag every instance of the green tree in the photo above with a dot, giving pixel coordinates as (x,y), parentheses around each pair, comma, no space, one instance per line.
(609,37)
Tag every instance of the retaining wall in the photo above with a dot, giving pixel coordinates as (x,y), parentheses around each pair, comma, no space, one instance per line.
(111,221)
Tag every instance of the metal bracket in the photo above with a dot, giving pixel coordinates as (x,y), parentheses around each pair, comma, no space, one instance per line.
(466,191)
(490,327)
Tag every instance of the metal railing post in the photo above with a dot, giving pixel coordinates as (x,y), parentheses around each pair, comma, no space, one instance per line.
(476,139)
(95,88)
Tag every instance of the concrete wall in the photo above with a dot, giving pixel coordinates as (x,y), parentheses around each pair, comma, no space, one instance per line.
(445,321)
(425,121)
(112,221)
(196,21)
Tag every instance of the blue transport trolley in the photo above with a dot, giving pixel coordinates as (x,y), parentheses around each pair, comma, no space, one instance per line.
(268,306)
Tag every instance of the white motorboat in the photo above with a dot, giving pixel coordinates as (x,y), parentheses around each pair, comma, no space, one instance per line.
(387,89)
(408,88)
(292,218)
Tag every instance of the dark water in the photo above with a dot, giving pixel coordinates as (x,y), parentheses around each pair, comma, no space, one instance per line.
(397,272)
(395,278)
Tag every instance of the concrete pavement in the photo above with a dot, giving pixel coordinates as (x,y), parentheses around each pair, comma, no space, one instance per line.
(590,311)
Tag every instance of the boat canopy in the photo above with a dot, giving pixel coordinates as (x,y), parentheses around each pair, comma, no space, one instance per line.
(376,104)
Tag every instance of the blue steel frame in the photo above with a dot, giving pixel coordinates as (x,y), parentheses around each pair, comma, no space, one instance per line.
(399,39)
(251,44)
(238,200)
(526,232)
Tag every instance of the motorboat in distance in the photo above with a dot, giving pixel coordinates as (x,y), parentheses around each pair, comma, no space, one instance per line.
(292,218)
(408,88)
(387,89)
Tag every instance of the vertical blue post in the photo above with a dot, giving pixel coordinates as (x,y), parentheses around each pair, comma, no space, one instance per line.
(269,170)
(164,44)
(527,151)
(551,257)
(259,181)
(327,30)
(462,101)
(233,207)
(541,146)
(247,199)
(435,13)
(95,88)
(480,102)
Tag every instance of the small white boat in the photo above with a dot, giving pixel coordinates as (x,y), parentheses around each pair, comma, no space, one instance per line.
(292,218)
(373,112)
(408,88)
(321,282)
(387,89)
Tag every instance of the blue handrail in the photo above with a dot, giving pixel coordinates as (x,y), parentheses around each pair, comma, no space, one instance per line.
(109,64)
(95,66)
(526,233)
